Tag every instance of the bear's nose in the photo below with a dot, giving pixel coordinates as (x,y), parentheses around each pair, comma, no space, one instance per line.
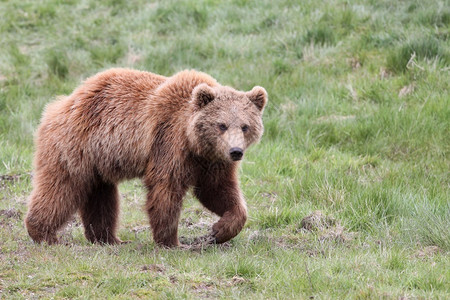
(236,153)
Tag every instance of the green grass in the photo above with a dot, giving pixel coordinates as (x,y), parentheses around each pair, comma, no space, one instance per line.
(357,126)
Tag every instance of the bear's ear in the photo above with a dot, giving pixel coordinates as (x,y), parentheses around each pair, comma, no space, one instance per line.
(202,95)
(258,96)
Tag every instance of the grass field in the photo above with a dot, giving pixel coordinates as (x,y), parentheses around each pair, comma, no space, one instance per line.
(357,135)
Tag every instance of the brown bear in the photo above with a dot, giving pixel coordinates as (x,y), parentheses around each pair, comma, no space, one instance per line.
(173,132)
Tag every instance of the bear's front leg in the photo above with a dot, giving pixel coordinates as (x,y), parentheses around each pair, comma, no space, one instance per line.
(224,198)
(163,208)
(230,224)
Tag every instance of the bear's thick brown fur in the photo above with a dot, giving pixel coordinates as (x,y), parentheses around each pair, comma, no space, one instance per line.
(173,132)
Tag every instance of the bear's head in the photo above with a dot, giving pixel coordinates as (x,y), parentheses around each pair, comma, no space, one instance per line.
(225,122)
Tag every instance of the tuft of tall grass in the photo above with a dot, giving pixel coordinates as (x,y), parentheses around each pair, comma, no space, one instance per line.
(58,64)
(430,226)
(321,35)
(428,47)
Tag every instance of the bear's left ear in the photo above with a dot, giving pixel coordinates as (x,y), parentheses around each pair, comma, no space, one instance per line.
(202,95)
(258,96)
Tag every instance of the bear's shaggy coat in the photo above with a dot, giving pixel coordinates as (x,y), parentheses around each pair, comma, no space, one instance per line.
(173,132)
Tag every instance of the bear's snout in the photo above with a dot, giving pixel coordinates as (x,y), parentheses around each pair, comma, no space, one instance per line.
(236,153)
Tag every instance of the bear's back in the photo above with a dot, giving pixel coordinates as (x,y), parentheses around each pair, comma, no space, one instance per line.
(110,123)
(101,125)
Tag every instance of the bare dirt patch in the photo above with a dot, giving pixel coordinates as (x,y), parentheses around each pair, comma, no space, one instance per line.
(406,90)
(199,244)
(11,213)
(355,63)
(157,268)
(429,251)
(385,73)
(317,221)
(272,196)
(14,177)
(201,224)
(7,179)
(327,227)
(237,280)
(205,290)
(139,229)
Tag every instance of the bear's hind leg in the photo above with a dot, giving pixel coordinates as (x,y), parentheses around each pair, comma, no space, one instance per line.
(100,214)
(52,202)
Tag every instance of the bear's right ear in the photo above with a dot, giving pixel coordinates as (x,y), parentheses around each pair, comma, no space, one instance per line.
(258,96)
(202,95)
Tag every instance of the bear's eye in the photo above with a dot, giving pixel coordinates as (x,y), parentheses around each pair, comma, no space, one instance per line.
(244,128)
(223,127)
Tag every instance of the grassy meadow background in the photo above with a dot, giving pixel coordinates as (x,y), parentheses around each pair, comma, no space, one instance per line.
(357,138)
